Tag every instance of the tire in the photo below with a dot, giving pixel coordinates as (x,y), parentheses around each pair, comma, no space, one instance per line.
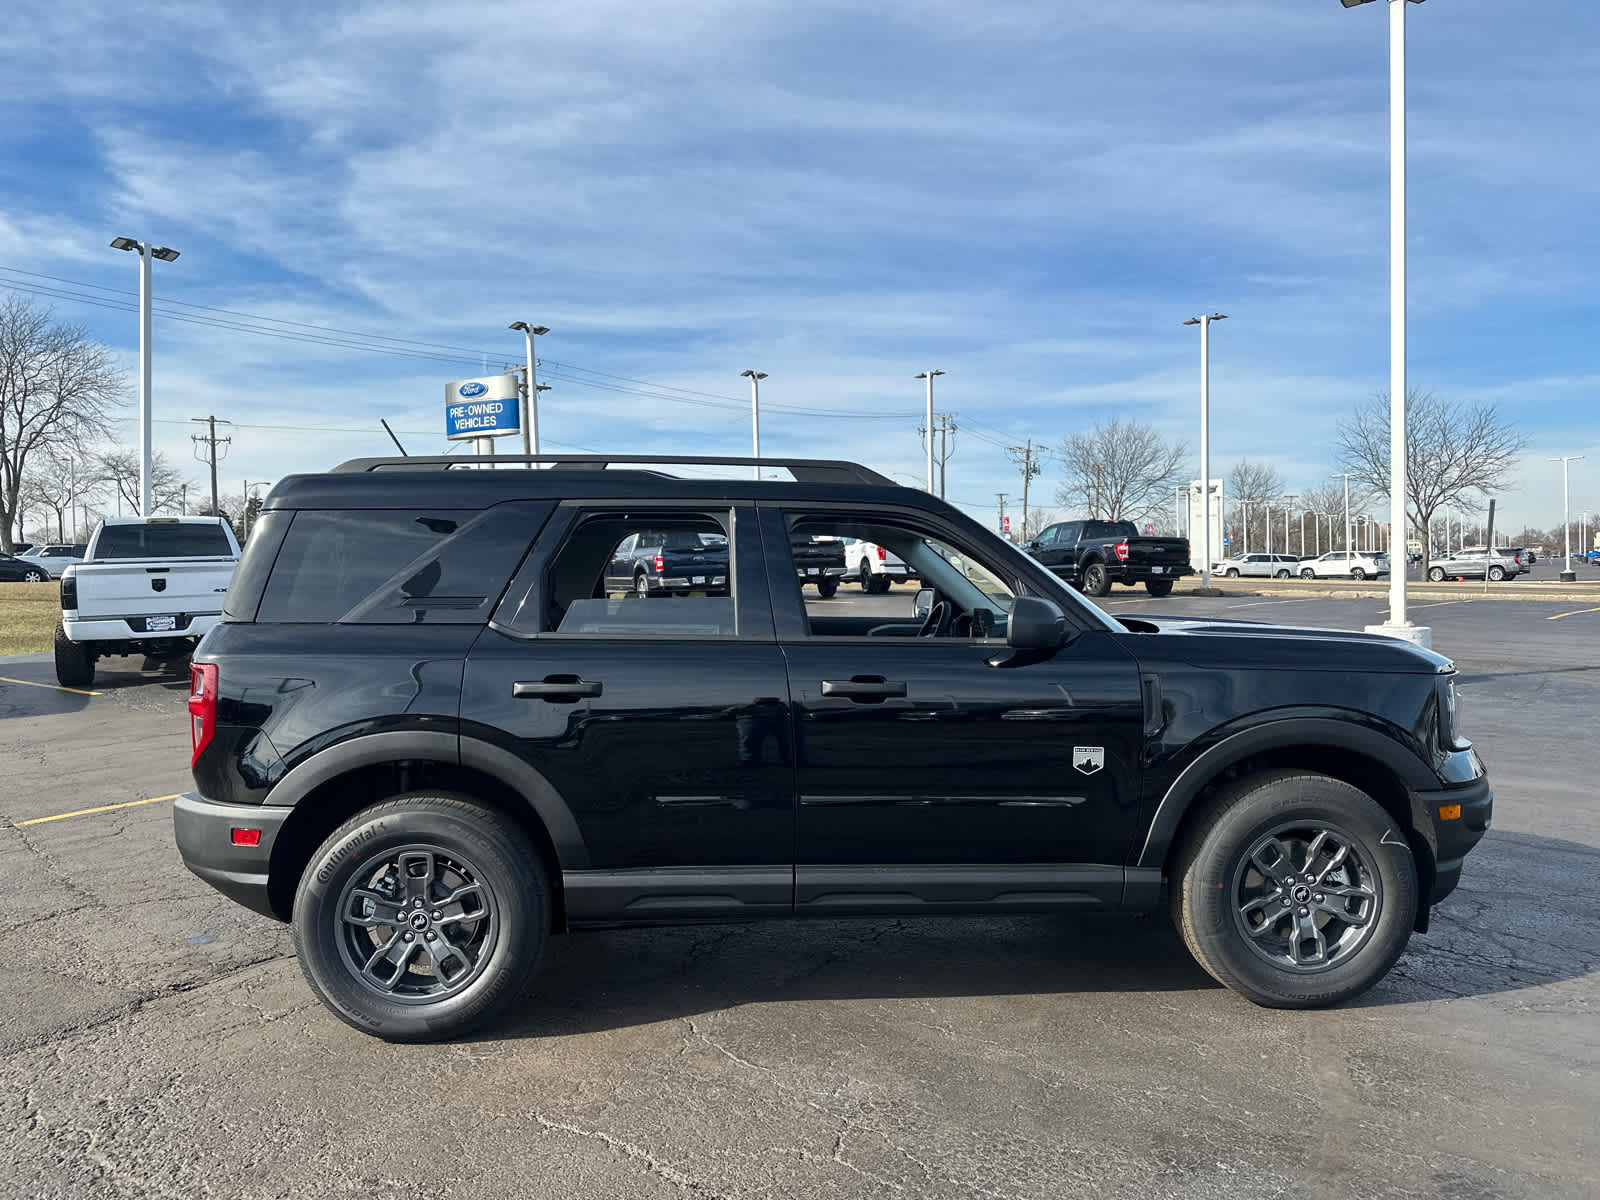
(495,944)
(34,576)
(1283,574)
(1158,587)
(827,587)
(74,662)
(1436,574)
(881,584)
(1308,573)
(1224,890)
(1096,581)
(1496,574)
(867,581)
(641,586)
(1357,573)
(1231,573)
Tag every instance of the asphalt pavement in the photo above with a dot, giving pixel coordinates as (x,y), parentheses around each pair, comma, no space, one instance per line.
(157,1040)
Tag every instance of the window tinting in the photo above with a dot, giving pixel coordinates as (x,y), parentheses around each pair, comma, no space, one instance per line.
(163,541)
(387,567)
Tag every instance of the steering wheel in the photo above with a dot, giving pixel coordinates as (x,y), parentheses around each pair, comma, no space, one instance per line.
(933,625)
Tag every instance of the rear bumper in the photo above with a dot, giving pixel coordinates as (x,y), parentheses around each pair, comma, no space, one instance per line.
(1143,573)
(118,629)
(1455,838)
(203,831)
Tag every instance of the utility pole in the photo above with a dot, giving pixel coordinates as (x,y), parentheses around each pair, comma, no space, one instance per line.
(929,375)
(1026,456)
(945,427)
(211,441)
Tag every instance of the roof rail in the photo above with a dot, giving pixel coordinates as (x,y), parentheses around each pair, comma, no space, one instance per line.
(804,470)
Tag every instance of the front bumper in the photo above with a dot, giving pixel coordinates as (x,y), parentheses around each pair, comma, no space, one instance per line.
(1454,838)
(203,831)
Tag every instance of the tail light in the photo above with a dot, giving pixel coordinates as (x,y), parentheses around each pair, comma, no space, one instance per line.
(202,707)
(661,563)
(69,589)
(883,555)
(1122,551)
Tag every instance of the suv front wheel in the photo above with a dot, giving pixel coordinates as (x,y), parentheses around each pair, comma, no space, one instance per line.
(1295,890)
(421,917)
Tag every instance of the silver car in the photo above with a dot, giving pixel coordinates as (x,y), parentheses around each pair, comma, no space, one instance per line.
(55,559)
(1262,566)
(1344,564)
(1475,564)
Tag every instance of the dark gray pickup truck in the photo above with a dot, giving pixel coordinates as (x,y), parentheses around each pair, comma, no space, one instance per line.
(1092,555)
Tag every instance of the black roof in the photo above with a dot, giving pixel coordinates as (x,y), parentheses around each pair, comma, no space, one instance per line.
(438,481)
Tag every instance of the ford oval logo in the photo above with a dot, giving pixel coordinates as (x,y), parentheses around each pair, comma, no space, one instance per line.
(472,389)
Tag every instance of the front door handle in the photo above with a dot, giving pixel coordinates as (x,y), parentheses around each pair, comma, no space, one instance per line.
(558,689)
(863,687)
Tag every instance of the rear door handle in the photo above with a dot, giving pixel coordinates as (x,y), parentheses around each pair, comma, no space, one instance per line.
(558,689)
(863,688)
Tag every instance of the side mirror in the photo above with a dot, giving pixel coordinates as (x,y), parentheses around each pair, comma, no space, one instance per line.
(1035,624)
(1033,545)
(924,605)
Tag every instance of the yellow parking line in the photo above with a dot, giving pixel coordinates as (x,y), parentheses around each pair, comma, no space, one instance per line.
(1573,613)
(51,686)
(85,812)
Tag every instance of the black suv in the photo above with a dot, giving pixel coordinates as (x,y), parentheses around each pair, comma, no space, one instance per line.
(431,733)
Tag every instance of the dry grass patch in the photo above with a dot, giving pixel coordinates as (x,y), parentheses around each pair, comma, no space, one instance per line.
(28,616)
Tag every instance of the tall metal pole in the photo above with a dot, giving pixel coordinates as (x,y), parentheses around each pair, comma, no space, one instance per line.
(530,399)
(146,452)
(1177,512)
(928,375)
(1567,575)
(1397,297)
(1205,449)
(755,377)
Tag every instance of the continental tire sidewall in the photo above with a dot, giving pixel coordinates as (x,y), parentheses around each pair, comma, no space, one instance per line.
(509,866)
(1207,896)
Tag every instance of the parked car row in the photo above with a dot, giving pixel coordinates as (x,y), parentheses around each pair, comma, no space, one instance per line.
(1335,564)
(50,561)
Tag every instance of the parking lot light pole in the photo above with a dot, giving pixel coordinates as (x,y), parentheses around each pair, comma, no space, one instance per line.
(1568,575)
(1204,321)
(530,399)
(146,251)
(1397,625)
(755,378)
(928,375)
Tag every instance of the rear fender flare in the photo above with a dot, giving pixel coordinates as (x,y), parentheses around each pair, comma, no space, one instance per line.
(1385,749)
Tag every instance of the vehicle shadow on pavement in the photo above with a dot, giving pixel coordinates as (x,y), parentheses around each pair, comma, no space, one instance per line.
(620,978)
(1498,932)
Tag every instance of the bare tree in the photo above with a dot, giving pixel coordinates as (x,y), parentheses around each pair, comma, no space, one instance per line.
(1119,471)
(1326,503)
(57,390)
(1456,454)
(120,470)
(59,483)
(1253,486)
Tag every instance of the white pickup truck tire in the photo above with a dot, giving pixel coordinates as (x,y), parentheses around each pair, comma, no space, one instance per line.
(74,661)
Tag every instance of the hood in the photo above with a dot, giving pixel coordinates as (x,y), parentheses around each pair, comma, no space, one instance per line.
(1210,641)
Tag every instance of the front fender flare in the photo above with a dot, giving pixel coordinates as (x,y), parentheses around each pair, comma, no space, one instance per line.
(1386,749)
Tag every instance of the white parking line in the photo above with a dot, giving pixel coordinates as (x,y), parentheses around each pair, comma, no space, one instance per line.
(1290,600)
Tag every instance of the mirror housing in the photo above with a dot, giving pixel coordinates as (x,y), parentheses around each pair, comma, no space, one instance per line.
(1035,624)
(924,602)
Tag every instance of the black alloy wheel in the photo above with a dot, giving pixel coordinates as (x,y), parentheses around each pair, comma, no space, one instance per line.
(421,917)
(1297,890)
(1096,580)
(867,582)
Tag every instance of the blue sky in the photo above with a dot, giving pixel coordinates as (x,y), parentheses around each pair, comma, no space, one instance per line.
(1030,197)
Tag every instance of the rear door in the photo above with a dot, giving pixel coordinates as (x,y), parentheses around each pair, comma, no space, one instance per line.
(662,723)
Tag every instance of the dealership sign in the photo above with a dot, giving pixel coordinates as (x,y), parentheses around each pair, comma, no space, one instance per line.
(486,407)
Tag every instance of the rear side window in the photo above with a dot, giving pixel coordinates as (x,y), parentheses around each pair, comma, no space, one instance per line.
(398,567)
(162,541)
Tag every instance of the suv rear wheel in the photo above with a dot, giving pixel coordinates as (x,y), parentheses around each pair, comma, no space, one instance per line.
(1436,574)
(1358,573)
(421,917)
(1295,890)
(1308,573)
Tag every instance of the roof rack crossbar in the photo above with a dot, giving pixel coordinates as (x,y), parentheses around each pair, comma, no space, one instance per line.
(804,470)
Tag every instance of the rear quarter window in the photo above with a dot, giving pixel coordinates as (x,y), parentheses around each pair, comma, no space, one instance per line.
(398,567)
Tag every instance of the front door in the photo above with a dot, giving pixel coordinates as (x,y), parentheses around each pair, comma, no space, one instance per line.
(948,771)
(662,723)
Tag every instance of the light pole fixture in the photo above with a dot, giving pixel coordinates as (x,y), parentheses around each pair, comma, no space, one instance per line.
(1205,440)
(1568,575)
(530,398)
(928,375)
(1397,625)
(146,252)
(755,377)
(1288,504)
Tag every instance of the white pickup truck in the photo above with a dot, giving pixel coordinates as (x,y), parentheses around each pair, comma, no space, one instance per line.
(147,585)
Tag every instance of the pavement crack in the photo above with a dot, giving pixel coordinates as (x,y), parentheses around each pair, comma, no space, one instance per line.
(636,1153)
(723,1050)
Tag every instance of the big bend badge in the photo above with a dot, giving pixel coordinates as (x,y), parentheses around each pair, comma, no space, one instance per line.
(1088,759)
